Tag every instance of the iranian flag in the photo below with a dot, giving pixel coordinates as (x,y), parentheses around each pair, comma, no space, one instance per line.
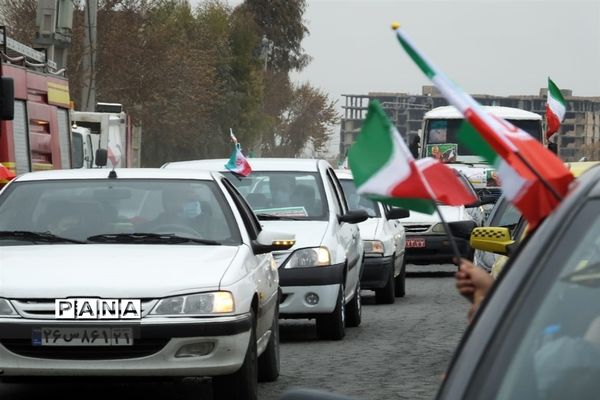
(238,164)
(385,170)
(532,177)
(556,108)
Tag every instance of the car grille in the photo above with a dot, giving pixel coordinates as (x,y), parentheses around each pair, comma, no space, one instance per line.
(140,348)
(416,228)
(44,308)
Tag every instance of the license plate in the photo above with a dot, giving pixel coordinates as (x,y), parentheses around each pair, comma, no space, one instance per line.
(415,243)
(82,337)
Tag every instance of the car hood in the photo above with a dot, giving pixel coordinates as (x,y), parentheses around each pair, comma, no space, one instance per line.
(368,228)
(308,233)
(111,270)
(450,213)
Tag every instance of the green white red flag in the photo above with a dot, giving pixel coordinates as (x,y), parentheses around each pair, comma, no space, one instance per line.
(238,163)
(385,170)
(556,108)
(532,178)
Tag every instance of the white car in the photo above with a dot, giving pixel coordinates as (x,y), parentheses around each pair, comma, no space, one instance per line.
(384,241)
(320,275)
(426,238)
(137,272)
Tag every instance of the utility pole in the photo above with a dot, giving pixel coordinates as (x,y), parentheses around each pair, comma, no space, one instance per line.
(88,92)
(54,20)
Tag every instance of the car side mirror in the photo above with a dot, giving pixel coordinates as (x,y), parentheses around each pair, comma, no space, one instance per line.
(462,229)
(397,213)
(354,216)
(268,241)
(493,239)
(101,157)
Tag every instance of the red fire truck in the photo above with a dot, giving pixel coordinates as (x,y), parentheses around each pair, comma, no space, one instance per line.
(37,137)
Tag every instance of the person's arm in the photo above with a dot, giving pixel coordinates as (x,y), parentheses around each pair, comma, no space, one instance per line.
(474,283)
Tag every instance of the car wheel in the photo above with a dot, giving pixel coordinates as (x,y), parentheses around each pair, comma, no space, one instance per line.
(242,384)
(400,281)
(386,295)
(331,326)
(268,362)
(354,309)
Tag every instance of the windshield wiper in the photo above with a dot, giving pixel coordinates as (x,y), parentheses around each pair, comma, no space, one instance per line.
(278,217)
(37,237)
(586,276)
(148,238)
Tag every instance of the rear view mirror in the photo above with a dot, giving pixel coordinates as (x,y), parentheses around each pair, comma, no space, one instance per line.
(462,229)
(101,157)
(397,213)
(493,239)
(7,99)
(354,216)
(267,242)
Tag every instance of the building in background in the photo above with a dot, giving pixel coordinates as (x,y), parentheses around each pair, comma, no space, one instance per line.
(578,137)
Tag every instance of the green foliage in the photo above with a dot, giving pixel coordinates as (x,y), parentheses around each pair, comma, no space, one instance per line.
(188,75)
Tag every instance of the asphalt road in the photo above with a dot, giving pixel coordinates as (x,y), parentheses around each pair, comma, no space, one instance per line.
(399,352)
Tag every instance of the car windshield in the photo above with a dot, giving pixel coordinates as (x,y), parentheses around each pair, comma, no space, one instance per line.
(552,347)
(356,201)
(442,137)
(285,195)
(80,209)
(505,215)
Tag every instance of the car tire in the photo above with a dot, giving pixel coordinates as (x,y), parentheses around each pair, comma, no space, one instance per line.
(386,295)
(332,326)
(269,360)
(242,384)
(354,309)
(400,281)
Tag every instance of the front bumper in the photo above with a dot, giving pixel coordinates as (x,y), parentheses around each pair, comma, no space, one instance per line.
(437,250)
(297,283)
(376,273)
(156,343)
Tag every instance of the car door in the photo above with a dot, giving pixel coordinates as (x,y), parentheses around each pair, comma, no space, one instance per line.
(395,228)
(348,236)
(262,271)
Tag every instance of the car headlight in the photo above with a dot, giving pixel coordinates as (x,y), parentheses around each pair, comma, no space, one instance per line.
(374,247)
(438,228)
(6,309)
(309,257)
(195,304)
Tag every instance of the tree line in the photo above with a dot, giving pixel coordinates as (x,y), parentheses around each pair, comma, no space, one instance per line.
(188,75)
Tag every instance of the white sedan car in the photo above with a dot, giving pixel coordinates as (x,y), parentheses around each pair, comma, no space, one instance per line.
(137,272)
(384,242)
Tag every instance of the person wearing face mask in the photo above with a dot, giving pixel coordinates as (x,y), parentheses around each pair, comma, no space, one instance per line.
(180,208)
(282,187)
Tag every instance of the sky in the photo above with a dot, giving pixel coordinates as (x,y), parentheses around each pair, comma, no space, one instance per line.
(498,47)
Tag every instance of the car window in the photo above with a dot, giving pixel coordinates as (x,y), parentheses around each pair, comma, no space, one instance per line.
(356,201)
(250,221)
(78,209)
(287,194)
(551,348)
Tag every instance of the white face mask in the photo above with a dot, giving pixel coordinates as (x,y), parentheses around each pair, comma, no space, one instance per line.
(192,209)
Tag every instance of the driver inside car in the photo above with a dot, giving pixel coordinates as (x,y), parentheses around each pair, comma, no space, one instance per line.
(181,209)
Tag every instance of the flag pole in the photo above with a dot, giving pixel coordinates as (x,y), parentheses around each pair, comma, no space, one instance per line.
(453,244)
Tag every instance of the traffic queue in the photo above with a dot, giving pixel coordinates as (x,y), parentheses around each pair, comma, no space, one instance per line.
(187,270)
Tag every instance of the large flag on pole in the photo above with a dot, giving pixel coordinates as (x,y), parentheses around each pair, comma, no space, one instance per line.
(385,170)
(533,178)
(238,164)
(556,108)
